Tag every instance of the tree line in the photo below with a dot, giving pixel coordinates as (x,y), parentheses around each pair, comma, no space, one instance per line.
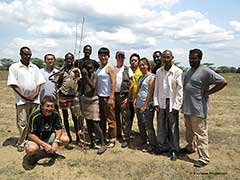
(6,62)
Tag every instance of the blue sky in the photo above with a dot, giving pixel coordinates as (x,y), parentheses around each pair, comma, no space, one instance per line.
(141,26)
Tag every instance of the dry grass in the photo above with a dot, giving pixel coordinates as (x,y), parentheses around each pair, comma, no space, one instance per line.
(118,163)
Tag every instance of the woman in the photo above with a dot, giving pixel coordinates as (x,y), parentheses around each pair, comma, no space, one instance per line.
(68,84)
(144,105)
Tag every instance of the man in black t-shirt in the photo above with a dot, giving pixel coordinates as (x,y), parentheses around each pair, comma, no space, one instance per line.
(45,129)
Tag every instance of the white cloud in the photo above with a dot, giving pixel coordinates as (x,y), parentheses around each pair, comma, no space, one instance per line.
(235,25)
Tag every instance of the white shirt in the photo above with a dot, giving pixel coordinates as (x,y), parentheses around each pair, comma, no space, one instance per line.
(168,84)
(119,77)
(26,78)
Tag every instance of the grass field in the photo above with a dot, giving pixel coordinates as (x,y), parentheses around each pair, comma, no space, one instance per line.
(118,163)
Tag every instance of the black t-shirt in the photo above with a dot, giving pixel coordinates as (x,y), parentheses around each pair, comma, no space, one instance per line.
(43,126)
(80,63)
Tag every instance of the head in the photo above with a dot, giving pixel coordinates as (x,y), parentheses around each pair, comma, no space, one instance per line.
(87,50)
(25,53)
(69,58)
(144,65)
(120,56)
(134,60)
(47,105)
(89,67)
(195,57)
(167,58)
(103,55)
(157,57)
(49,60)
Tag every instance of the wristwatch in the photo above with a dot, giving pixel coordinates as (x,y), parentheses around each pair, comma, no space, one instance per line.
(57,140)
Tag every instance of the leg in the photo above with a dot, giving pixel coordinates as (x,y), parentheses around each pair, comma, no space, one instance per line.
(117,115)
(189,134)
(141,127)
(99,132)
(66,123)
(150,128)
(131,116)
(102,104)
(162,130)
(76,126)
(64,139)
(90,128)
(200,129)
(31,148)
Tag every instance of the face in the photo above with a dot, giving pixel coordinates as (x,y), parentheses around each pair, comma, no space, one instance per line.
(90,68)
(47,108)
(143,67)
(120,60)
(194,60)
(26,55)
(69,60)
(50,61)
(134,62)
(87,51)
(103,58)
(167,58)
(157,58)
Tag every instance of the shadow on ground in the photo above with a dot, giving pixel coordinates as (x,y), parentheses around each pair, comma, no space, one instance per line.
(11,141)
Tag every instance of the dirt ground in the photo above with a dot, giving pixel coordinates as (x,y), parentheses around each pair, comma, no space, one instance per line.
(130,163)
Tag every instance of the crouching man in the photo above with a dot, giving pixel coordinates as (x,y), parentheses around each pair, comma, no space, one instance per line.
(45,130)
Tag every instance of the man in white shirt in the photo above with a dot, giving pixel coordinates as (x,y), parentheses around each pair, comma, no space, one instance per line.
(123,90)
(168,96)
(25,79)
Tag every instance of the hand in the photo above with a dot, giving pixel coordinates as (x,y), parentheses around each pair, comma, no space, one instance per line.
(156,108)
(142,109)
(48,148)
(111,102)
(54,147)
(84,72)
(124,103)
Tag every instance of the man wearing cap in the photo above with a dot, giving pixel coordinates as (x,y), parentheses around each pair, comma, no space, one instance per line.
(123,89)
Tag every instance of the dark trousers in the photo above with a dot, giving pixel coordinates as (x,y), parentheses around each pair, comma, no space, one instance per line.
(168,129)
(122,118)
(131,115)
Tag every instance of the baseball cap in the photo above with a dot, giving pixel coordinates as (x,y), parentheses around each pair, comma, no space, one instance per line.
(120,53)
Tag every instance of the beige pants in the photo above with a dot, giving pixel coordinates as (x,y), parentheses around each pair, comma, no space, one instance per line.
(197,136)
(23,113)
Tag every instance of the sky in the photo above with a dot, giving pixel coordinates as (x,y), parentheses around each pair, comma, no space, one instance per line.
(133,26)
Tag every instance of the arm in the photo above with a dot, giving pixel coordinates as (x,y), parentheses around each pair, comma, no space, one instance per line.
(37,140)
(155,95)
(217,87)
(179,93)
(55,144)
(111,71)
(150,94)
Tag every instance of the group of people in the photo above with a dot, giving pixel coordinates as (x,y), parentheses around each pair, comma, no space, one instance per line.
(108,97)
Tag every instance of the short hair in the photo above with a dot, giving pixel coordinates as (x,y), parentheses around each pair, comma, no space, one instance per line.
(145,60)
(134,54)
(155,52)
(47,98)
(69,54)
(49,54)
(24,47)
(104,50)
(87,46)
(197,51)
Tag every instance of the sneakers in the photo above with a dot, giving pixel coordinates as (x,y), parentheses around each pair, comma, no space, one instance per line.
(111,144)
(102,149)
(173,156)
(20,147)
(124,144)
(199,163)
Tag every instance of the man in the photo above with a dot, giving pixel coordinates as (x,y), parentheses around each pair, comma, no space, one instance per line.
(106,88)
(168,96)
(87,50)
(157,59)
(195,105)
(45,130)
(123,92)
(49,88)
(25,79)
(134,60)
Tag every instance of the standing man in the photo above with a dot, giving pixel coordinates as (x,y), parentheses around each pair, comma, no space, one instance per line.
(87,50)
(168,96)
(157,59)
(195,105)
(123,90)
(49,88)
(25,79)
(134,60)
(106,89)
